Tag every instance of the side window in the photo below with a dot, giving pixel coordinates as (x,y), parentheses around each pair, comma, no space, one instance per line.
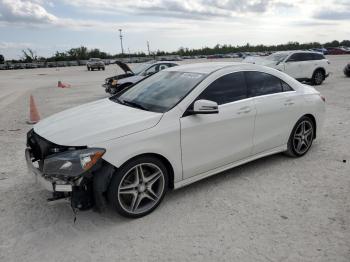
(226,89)
(163,66)
(294,58)
(286,87)
(318,56)
(298,57)
(309,56)
(262,84)
(151,70)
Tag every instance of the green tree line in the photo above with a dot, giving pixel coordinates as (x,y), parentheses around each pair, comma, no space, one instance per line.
(83,53)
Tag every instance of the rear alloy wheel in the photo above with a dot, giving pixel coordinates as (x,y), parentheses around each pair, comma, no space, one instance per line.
(301,138)
(318,77)
(138,187)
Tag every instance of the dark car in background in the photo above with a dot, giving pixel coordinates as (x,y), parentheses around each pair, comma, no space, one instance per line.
(119,82)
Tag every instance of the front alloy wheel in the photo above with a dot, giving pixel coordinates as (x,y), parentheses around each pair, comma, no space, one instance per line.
(301,138)
(138,187)
(318,77)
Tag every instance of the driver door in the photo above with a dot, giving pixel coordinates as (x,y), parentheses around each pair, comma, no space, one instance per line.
(209,141)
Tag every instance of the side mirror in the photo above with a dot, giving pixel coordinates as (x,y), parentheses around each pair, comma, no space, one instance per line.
(204,107)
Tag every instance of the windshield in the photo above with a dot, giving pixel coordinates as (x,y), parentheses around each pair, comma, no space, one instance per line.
(277,57)
(140,68)
(159,92)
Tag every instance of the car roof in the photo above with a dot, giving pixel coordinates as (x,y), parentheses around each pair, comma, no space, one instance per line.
(210,67)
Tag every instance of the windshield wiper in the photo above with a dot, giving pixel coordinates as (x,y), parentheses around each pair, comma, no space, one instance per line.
(116,99)
(133,104)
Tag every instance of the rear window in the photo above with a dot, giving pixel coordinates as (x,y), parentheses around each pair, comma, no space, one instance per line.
(316,56)
(260,84)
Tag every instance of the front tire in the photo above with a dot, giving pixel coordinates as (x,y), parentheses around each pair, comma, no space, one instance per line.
(318,77)
(138,187)
(301,138)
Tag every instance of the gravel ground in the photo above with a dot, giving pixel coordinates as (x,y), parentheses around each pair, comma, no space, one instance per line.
(273,209)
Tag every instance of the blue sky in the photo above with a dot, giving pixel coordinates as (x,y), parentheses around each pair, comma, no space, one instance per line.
(47,26)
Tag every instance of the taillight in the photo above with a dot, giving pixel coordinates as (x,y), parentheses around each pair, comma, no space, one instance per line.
(323,98)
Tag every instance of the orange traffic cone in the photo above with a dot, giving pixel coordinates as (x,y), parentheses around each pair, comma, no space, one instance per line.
(61,85)
(33,112)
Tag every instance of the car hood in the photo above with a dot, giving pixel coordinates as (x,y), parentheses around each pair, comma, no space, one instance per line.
(124,67)
(95,122)
(130,79)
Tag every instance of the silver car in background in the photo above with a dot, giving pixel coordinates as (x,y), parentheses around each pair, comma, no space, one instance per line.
(119,82)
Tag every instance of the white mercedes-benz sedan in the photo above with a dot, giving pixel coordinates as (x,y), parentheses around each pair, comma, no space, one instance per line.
(171,129)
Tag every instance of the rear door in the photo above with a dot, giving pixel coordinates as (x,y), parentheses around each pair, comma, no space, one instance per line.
(277,106)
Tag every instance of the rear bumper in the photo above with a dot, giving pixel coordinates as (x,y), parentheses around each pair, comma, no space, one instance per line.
(96,66)
(46,182)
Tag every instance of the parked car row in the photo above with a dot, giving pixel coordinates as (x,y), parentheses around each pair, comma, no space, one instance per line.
(10,66)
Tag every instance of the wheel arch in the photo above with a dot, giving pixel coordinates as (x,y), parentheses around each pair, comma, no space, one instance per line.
(164,160)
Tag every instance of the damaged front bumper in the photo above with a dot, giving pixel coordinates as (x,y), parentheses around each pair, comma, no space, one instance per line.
(49,183)
(75,173)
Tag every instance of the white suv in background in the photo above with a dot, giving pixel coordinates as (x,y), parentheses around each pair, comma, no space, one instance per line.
(302,65)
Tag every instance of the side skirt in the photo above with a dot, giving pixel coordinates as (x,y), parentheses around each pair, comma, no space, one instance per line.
(212,172)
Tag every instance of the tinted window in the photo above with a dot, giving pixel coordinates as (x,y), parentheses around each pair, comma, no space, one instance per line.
(262,84)
(316,56)
(286,87)
(226,89)
(297,57)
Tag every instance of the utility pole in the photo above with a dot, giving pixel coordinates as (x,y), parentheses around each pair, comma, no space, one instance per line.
(149,53)
(121,41)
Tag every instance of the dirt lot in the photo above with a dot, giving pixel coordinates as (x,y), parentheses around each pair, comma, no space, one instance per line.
(273,209)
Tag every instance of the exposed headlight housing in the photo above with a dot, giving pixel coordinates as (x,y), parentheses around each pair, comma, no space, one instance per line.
(72,163)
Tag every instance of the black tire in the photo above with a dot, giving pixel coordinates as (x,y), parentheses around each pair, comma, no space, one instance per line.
(293,141)
(103,68)
(99,69)
(124,174)
(88,68)
(318,77)
(347,71)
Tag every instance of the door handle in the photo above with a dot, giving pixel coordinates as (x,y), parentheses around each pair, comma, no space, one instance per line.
(288,102)
(244,110)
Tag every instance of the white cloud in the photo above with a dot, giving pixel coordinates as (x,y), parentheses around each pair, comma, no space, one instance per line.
(24,12)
